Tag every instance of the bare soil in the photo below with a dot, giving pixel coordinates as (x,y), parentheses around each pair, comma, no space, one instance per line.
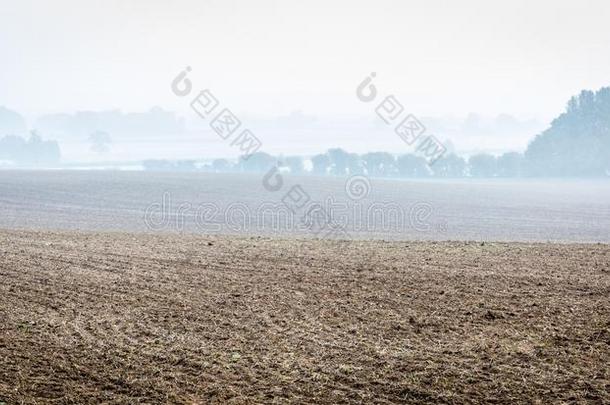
(126,318)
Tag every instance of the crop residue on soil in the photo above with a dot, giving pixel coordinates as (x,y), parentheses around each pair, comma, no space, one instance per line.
(124,318)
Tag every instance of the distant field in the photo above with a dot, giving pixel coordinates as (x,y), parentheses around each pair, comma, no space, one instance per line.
(124,318)
(493,210)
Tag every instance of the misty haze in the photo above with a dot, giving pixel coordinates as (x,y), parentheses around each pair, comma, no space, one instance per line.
(304,202)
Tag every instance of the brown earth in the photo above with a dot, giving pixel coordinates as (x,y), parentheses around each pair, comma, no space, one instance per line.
(121,318)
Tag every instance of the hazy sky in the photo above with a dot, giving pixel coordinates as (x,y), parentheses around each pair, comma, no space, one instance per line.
(272,57)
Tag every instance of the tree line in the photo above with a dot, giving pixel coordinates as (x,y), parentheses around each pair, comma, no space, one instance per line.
(576,144)
(338,162)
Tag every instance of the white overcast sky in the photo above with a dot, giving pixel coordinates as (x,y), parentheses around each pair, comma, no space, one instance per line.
(269,58)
